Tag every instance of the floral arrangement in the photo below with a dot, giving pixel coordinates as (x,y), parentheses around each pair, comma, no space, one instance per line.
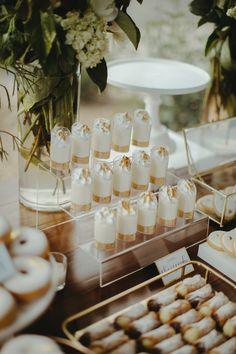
(49,39)
(221,48)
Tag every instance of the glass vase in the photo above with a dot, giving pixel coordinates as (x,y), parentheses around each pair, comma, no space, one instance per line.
(43,102)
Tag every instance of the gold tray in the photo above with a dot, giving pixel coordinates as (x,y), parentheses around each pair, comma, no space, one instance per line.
(202,268)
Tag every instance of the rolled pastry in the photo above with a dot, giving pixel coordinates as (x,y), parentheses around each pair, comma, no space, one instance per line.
(149,339)
(210,306)
(186,349)
(190,284)
(109,343)
(209,341)
(168,345)
(229,347)
(162,299)
(127,348)
(143,324)
(181,321)
(198,329)
(124,320)
(176,308)
(224,313)
(229,328)
(97,332)
(197,297)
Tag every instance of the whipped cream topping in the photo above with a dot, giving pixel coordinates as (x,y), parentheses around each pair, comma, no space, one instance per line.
(81,130)
(140,157)
(60,136)
(142,116)
(125,207)
(105,215)
(169,193)
(186,186)
(102,125)
(81,175)
(103,169)
(160,151)
(123,119)
(147,200)
(123,163)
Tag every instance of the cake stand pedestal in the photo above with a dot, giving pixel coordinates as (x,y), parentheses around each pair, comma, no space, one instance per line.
(153,78)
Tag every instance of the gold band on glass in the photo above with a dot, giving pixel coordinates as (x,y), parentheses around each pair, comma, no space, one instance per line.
(82,160)
(60,166)
(121,194)
(81,207)
(168,223)
(140,143)
(102,200)
(120,148)
(105,246)
(126,238)
(101,155)
(148,230)
(158,181)
(185,215)
(141,187)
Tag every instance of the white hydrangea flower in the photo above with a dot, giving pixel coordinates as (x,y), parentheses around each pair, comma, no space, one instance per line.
(87,36)
(232,12)
(105,8)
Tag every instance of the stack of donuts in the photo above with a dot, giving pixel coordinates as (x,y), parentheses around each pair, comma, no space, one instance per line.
(29,251)
(223,241)
(189,318)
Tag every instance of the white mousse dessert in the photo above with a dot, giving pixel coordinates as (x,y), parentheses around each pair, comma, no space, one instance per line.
(102,183)
(126,221)
(121,132)
(141,128)
(81,141)
(122,175)
(159,165)
(60,150)
(186,194)
(81,189)
(167,206)
(105,229)
(140,170)
(101,138)
(147,213)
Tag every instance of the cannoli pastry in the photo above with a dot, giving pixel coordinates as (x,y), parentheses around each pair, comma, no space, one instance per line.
(168,206)
(147,213)
(149,339)
(224,313)
(159,165)
(142,325)
(105,229)
(141,128)
(186,192)
(140,170)
(125,319)
(229,328)
(161,299)
(176,308)
(190,284)
(209,341)
(99,331)
(101,138)
(122,176)
(126,221)
(180,322)
(167,346)
(81,141)
(127,348)
(121,132)
(199,296)
(102,183)
(109,343)
(210,306)
(228,347)
(198,329)
(186,349)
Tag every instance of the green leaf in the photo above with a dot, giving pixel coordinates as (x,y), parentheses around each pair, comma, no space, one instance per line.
(140,1)
(201,7)
(211,42)
(226,59)
(98,75)
(125,22)
(48,30)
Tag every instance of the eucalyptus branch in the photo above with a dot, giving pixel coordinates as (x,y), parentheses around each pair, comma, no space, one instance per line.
(16,142)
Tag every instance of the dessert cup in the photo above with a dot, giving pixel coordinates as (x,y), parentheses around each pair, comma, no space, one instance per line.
(105,229)
(167,206)
(122,175)
(159,165)
(141,128)
(101,138)
(186,194)
(60,150)
(102,183)
(81,141)
(147,213)
(126,221)
(81,189)
(140,170)
(121,132)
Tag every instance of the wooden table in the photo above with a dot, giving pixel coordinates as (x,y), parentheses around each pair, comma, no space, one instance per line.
(82,288)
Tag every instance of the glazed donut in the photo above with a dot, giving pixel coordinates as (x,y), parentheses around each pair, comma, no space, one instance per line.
(5,230)
(29,242)
(31,344)
(7,308)
(32,279)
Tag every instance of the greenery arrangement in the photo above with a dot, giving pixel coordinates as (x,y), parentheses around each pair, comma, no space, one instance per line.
(221,48)
(43,42)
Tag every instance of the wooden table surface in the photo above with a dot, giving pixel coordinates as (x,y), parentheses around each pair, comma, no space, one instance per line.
(82,287)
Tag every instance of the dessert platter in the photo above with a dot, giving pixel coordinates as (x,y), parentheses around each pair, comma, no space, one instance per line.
(191,316)
(28,282)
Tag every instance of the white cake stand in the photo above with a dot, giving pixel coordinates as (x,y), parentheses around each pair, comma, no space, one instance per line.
(153,78)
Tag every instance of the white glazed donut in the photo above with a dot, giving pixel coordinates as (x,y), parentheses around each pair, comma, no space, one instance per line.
(29,242)
(7,308)
(5,230)
(32,279)
(214,240)
(31,344)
